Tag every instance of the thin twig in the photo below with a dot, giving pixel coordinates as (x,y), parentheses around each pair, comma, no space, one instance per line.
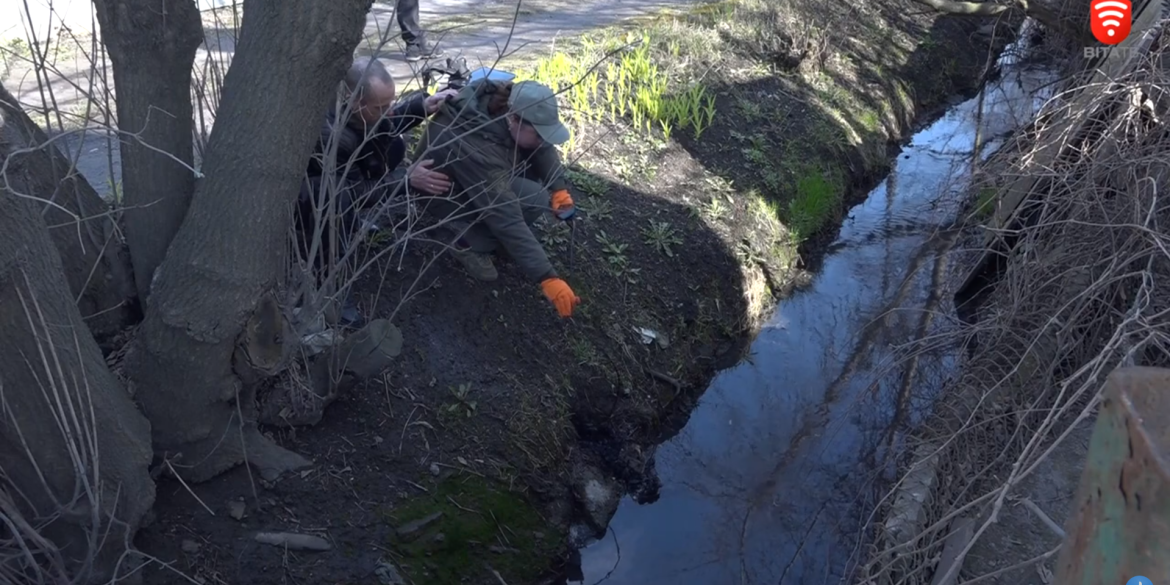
(1015,567)
(495,573)
(461,507)
(1057,530)
(616,562)
(189,490)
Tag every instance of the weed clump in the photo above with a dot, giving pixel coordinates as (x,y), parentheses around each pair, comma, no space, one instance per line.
(817,202)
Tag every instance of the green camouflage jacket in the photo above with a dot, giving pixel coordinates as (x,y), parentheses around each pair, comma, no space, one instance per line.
(479,155)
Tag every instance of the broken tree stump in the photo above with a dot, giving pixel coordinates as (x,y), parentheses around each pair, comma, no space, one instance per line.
(303,391)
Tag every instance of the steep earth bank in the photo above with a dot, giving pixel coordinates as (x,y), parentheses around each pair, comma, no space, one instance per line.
(711,175)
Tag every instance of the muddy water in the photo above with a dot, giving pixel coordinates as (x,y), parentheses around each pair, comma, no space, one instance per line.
(774,476)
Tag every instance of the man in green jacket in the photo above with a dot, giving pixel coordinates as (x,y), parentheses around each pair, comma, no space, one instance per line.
(495,142)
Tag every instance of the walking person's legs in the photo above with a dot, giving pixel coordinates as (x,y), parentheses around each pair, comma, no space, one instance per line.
(417,46)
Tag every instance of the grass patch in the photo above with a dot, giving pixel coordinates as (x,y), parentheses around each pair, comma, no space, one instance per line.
(985,201)
(588,183)
(817,201)
(481,520)
(13,53)
(657,82)
(612,77)
(661,236)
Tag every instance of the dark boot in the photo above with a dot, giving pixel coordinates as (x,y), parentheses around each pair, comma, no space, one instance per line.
(422,49)
(477,264)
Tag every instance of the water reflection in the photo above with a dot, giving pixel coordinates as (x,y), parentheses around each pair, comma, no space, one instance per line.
(772,477)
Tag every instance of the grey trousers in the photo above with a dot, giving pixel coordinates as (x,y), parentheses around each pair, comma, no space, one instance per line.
(476,235)
(408,21)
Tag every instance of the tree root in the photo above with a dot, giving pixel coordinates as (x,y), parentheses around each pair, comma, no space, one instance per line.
(300,397)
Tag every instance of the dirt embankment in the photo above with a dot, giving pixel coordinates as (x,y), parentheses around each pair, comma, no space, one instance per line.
(712,161)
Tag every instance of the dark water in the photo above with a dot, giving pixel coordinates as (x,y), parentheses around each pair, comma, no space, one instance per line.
(773,477)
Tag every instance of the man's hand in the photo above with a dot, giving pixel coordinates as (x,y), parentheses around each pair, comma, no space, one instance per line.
(560,295)
(421,177)
(432,103)
(562,205)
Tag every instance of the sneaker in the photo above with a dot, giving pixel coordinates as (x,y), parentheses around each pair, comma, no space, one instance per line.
(477,264)
(422,50)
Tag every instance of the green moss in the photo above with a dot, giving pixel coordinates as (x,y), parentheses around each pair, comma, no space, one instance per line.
(817,201)
(985,202)
(478,514)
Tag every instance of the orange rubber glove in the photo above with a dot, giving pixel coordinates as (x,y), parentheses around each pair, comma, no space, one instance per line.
(562,205)
(560,295)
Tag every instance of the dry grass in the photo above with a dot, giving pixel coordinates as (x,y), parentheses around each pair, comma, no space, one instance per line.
(1084,291)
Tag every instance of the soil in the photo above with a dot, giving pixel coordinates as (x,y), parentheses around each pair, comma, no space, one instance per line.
(495,402)
(1020,534)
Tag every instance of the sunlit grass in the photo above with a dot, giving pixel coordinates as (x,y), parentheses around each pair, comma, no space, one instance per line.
(613,76)
(817,201)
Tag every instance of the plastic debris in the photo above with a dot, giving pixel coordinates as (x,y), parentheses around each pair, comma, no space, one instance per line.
(651,336)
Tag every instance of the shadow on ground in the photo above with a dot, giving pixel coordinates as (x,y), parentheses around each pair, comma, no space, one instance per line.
(495,403)
(497,395)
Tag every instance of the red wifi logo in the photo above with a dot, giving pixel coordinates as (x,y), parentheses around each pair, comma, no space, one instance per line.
(1111,20)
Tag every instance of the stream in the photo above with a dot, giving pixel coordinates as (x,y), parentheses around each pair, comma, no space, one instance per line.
(775,475)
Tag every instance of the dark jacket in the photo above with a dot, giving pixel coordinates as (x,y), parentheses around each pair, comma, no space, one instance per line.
(367,171)
(367,163)
(478,153)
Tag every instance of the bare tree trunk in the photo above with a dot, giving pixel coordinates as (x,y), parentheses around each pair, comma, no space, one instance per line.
(152,46)
(229,253)
(1064,19)
(94,257)
(74,451)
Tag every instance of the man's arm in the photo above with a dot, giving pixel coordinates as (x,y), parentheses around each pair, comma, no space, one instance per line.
(405,116)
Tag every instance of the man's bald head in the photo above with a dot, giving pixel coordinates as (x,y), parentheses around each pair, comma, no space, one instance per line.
(371,88)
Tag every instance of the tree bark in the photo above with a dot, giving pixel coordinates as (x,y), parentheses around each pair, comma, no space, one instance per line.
(230,251)
(1060,21)
(61,411)
(152,46)
(94,257)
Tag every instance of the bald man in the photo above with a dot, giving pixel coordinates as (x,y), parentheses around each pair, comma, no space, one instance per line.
(362,150)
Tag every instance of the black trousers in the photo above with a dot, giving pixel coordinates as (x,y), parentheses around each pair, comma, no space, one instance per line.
(408,21)
(352,198)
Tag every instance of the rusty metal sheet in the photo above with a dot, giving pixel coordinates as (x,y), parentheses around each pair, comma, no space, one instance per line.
(1120,527)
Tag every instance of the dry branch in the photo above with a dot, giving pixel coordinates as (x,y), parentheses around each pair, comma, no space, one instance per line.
(1086,288)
